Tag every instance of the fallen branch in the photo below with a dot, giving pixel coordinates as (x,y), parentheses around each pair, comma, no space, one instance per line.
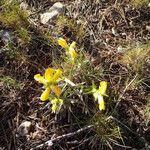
(50,142)
(124,91)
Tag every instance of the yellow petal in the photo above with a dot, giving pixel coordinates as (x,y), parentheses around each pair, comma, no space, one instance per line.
(101,103)
(62,42)
(40,78)
(54,108)
(56,90)
(54,101)
(73,54)
(57,75)
(73,45)
(103,88)
(45,94)
(49,74)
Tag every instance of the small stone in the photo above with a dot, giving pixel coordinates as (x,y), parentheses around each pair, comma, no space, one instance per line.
(123,34)
(120,49)
(107,40)
(6,36)
(148,28)
(24,6)
(114,31)
(24,128)
(54,11)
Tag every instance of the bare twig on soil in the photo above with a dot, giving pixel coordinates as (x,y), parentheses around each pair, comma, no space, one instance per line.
(50,142)
(120,97)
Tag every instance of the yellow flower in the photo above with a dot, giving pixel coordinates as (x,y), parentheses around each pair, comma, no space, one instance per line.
(101,103)
(45,94)
(39,78)
(62,42)
(56,104)
(73,45)
(73,54)
(103,88)
(69,49)
(49,80)
(99,94)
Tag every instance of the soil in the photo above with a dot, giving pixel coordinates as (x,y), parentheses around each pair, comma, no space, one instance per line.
(109,25)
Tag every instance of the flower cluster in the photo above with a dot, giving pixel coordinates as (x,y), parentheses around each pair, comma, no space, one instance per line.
(50,81)
(56,104)
(70,50)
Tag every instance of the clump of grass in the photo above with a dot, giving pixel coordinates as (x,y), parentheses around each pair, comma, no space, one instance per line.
(23,35)
(2,2)
(139,3)
(146,112)
(87,70)
(83,70)
(134,83)
(70,28)
(16,21)
(12,16)
(13,47)
(106,130)
(11,50)
(136,57)
(8,82)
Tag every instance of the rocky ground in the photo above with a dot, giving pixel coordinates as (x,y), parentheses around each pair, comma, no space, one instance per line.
(114,38)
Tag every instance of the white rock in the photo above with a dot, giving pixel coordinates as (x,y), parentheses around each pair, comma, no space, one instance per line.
(24,6)
(148,28)
(114,31)
(55,10)
(120,49)
(24,128)
(6,36)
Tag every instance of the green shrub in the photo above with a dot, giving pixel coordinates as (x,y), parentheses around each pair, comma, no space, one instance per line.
(140,3)
(8,82)
(12,16)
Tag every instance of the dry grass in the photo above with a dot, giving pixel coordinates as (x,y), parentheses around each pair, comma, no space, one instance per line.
(139,3)
(136,57)
(69,27)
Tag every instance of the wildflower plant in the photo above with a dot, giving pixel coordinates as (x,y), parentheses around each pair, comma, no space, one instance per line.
(52,77)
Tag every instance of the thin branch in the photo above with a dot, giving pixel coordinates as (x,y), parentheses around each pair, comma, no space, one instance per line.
(50,142)
(120,97)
